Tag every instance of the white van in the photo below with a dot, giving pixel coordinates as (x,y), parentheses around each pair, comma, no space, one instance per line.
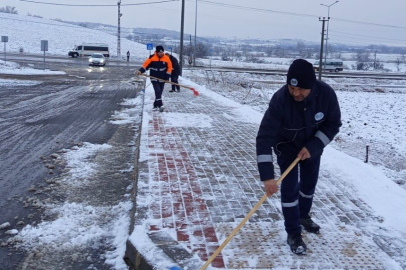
(335,65)
(88,49)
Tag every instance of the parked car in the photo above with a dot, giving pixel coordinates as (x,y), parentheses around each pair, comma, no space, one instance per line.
(97,59)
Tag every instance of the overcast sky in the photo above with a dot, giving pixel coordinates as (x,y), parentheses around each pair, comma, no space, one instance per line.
(352,21)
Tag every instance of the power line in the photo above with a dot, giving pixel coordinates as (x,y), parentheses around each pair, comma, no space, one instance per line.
(257,9)
(73,5)
(360,35)
(369,23)
(292,13)
(245,8)
(63,24)
(223,5)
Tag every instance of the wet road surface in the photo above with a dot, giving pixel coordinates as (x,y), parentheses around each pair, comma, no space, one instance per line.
(37,121)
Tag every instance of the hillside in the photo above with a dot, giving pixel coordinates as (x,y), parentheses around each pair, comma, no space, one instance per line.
(26,32)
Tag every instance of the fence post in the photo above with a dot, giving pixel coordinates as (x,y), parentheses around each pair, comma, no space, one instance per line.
(366,154)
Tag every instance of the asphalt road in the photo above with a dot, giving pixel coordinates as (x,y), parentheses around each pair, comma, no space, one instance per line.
(38,121)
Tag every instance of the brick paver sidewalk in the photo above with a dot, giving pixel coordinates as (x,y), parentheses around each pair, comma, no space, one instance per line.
(198,177)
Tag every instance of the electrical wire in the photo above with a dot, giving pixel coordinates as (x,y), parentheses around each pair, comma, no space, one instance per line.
(291,13)
(63,24)
(361,35)
(75,5)
(254,9)
(223,5)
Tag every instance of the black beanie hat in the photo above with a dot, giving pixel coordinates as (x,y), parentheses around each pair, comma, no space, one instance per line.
(301,74)
(159,48)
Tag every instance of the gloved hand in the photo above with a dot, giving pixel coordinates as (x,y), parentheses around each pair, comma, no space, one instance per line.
(167,77)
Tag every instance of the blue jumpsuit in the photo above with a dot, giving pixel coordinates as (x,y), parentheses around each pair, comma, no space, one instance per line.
(287,127)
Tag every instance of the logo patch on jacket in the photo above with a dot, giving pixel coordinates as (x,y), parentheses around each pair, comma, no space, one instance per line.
(293,81)
(318,116)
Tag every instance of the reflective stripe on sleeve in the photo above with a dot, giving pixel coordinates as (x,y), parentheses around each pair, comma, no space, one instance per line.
(325,140)
(305,196)
(264,158)
(291,204)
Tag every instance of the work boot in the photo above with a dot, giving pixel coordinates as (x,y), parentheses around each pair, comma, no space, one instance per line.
(170,91)
(310,225)
(296,244)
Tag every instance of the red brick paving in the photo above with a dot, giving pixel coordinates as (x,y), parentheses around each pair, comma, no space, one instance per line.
(203,181)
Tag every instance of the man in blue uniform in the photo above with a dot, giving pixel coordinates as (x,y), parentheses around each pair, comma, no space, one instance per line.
(175,73)
(302,118)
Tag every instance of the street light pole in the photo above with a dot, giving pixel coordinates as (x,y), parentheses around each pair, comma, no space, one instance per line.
(328,23)
(181,37)
(119,30)
(194,51)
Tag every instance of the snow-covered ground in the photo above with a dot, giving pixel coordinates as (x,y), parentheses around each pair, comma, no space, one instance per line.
(26,33)
(283,63)
(7,67)
(373,114)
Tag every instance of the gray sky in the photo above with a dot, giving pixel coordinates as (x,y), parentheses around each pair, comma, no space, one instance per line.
(352,21)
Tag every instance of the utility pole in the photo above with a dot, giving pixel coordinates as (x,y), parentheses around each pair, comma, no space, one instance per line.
(375,61)
(194,50)
(181,37)
(321,47)
(328,23)
(191,57)
(118,30)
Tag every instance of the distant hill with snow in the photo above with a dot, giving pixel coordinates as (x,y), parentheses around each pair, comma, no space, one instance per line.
(26,32)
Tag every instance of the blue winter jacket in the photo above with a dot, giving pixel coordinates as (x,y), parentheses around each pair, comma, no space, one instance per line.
(289,125)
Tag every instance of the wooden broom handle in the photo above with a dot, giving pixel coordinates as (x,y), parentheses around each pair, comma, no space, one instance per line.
(159,79)
(234,232)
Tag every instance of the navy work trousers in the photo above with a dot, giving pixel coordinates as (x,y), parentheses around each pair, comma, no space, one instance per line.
(297,192)
(174,79)
(158,88)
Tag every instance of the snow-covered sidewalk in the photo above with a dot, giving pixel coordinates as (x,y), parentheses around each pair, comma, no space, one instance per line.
(198,179)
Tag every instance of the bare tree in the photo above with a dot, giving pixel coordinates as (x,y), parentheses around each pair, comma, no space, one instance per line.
(201,50)
(300,46)
(238,56)
(362,58)
(226,56)
(280,51)
(33,15)
(8,9)
(330,50)
(398,61)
